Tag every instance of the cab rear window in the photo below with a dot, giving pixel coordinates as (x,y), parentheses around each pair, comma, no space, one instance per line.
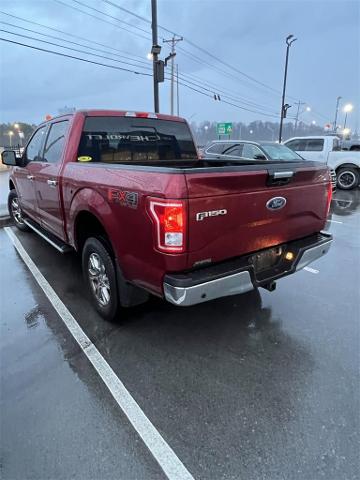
(134,140)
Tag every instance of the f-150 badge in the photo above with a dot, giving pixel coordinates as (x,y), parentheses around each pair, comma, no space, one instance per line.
(213,213)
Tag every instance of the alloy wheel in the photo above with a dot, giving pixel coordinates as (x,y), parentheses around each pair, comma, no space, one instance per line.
(99,280)
(16,211)
(346,179)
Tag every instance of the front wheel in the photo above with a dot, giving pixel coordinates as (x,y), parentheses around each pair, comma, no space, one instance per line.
(99,274)
(347,178)
(16,212)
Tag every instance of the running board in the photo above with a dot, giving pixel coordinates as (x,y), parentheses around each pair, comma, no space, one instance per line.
(49,237)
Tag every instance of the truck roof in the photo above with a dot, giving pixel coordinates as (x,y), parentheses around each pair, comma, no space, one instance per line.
(117,113)
(312,136)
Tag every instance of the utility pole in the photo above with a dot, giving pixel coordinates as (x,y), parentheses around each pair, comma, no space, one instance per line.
(336,113)
(177,88)
(289,41)
(173,41)
(297,114)
(155,50)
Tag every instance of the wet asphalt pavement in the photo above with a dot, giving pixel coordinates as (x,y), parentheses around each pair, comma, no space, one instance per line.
(257,386)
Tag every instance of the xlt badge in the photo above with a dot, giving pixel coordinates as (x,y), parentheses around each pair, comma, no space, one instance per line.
(213,213)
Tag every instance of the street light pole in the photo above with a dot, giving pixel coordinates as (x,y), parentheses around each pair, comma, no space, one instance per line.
(347,109)
(289,41)
(155,52)
(336,113)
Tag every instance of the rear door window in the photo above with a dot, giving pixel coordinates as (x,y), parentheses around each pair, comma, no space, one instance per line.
(215,148)
(315,145)
(55,142)
(135,140)
(297,145)
(252,152)
(235,151)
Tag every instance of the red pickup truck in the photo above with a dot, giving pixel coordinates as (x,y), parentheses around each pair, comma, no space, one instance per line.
(128,191)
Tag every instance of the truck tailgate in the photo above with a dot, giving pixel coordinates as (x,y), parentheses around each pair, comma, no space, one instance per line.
(241,221)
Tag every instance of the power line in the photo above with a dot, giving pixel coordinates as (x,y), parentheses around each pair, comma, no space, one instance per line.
(218,89)
(225,96)
(108,15)
(75,58)
(70,48)
(229,103)
(125,63)
(105,57)
(193,44)
(108,66)
(71,42)
(148,21)
(103,51)
(204,51)
(102,19)
(68,34)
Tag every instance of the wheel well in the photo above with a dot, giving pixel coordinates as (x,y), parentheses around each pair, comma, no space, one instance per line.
(11,185)
(87,225)
(347,165)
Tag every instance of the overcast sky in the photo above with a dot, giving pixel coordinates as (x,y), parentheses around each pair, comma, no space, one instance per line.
(248,35)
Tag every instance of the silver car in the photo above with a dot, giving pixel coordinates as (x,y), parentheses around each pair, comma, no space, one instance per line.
(246,150)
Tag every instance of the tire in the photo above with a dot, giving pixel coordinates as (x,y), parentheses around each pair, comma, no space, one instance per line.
(100,277)
(347,178)
(16,212)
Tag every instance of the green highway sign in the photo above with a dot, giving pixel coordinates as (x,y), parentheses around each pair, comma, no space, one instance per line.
(224,128)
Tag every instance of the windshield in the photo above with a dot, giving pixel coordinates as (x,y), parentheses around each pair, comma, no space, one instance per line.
(133,139)
(280,152)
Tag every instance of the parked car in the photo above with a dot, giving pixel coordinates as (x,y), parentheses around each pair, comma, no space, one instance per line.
(242,149)
(326,149)
(128,192)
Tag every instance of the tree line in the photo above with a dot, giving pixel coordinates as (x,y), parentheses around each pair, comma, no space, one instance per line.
(204,132)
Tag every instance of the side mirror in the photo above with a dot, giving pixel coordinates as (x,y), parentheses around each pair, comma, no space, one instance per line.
(8,158)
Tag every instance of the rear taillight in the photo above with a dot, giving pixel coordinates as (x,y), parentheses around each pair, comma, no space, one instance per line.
(169,218)
(329,197)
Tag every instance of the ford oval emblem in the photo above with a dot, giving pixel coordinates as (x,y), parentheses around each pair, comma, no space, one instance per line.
(276,203)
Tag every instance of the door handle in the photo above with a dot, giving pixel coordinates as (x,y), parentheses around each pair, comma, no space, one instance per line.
(52,183)
(30,177)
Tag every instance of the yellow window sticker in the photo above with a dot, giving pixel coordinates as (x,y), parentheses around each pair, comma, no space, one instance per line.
(84,158)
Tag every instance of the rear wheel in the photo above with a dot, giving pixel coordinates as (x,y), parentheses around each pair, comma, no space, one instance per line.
(100,276)
(16,212)
(347,178)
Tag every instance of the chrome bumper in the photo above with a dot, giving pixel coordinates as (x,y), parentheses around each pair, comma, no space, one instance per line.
(240,282)
(221,287)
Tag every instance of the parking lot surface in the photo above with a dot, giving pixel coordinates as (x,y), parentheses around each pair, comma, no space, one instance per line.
(258,386)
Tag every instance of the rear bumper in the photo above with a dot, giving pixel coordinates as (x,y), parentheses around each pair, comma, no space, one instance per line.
(240,275)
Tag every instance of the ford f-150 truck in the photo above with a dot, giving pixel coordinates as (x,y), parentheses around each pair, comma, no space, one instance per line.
(326,149)
(128,192)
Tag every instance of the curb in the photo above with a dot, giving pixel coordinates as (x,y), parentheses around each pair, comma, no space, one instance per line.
(6,221)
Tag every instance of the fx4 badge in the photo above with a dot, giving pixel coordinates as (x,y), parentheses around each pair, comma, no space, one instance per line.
(124,198)
(276,203)
(213,213)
